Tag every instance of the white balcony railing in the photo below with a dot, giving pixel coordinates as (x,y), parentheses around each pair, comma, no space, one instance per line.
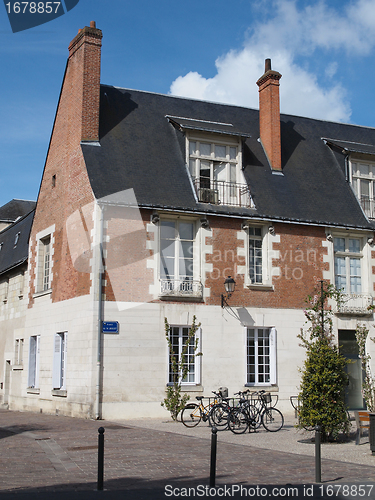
(181,288)
(355,304)
(223,193)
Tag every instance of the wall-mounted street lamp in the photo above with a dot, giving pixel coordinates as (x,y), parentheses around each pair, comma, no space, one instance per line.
(229,285)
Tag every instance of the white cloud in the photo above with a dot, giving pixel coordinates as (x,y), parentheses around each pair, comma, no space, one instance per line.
(290,38)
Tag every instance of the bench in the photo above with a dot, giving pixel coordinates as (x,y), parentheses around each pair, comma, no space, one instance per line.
(362,419)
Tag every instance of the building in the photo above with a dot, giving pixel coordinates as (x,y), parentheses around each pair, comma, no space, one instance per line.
(172,196)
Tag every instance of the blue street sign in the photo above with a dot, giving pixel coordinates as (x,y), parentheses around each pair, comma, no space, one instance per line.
(110,327)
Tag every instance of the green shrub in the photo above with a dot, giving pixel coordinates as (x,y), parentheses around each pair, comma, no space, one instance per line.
(323,382)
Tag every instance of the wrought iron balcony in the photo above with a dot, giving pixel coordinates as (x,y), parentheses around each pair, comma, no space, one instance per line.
(181,288)
(223,193)
(355,304)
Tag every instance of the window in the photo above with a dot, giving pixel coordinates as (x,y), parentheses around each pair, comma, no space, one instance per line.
(33,378)
(179,336)
(216,174)
(44,264)
(18,352)
(261,356)
(59,361)
(348,255)
(363,179)
(177,258)
(258,254)
(255,255)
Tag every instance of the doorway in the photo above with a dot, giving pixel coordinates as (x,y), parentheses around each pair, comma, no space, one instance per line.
(349,349)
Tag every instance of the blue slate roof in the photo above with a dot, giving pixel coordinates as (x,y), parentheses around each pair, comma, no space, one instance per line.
(14,243)
(142,146)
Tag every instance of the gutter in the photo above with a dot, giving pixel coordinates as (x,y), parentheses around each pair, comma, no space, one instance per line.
(99,359)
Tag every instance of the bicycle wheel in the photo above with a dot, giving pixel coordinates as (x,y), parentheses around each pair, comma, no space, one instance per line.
(272,419)
(238,421)
(219,416)
(255,416)
(191,415)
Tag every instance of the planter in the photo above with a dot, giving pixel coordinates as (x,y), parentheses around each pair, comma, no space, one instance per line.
(372,433)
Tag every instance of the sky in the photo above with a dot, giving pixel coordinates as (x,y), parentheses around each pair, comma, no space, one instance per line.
(212,50)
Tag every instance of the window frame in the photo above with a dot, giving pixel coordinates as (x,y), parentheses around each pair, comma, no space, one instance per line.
(219,186)
(18,352)
(189,287)
(272,355)
(197,359)
(348,255)
(266,255)
(197,157)
(355,178)
(40,271)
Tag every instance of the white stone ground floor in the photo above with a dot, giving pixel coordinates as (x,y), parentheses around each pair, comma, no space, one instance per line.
(130,377)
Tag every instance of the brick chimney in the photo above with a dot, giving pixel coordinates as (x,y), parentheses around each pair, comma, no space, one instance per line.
(269,115)
(84,64)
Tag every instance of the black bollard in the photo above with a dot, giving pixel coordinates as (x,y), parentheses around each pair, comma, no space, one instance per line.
(100,458)
(318,461)
(213,456)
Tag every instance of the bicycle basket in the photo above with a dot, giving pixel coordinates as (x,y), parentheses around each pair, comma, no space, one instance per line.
(223,391)
(267,398)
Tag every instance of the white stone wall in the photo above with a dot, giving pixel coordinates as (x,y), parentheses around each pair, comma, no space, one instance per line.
(78,318)
(136,359)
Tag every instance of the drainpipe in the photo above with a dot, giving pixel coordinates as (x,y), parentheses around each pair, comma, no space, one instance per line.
(99,362)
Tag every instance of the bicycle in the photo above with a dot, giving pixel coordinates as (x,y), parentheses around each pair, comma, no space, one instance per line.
(220,411)
(193,413)
(249,416)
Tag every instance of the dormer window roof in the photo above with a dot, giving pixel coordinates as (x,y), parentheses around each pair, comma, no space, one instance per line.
(184,124)
(348,147)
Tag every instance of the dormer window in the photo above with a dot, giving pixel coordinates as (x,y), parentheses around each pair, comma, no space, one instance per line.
(363,180)
(214,157)
(216,172)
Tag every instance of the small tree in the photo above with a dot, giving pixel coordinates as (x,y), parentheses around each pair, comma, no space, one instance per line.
(174,401)
(322,390)
(368,383)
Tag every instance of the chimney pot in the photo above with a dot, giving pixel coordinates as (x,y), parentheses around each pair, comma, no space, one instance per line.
(267,65)
(92,24)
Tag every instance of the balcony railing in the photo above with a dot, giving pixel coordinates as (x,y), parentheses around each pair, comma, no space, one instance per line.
(368,206)
(223,193)
(181,288)
(355,304)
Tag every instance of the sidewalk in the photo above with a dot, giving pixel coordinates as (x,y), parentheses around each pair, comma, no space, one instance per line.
(55,457)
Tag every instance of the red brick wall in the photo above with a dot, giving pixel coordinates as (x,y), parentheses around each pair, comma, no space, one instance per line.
(300,262)
(75,120)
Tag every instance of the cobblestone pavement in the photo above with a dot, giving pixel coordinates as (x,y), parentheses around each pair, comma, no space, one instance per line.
(55,457)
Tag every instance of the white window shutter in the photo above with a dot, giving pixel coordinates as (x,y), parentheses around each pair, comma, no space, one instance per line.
(37,361)
(56,373)
(273,344)
(32,357)
(63,374)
